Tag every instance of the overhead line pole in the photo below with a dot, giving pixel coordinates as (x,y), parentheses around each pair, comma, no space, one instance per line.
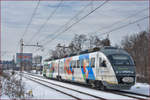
(21,56)
(21,59)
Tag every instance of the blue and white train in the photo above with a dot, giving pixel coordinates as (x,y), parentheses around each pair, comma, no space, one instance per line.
(109,67)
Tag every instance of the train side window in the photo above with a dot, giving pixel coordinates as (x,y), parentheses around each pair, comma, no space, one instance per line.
(100,61)
(71,64)
(74,64)
(78,64)
(82,61)
(87,61)
(93,62)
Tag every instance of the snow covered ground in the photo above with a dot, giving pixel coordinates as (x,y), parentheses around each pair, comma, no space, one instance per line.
(4,97)
(88,90)
(141,88)
(42,92)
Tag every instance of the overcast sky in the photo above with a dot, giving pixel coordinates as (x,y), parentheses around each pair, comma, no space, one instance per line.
(16,15)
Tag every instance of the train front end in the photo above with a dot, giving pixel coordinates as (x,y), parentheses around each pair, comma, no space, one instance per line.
(123,66)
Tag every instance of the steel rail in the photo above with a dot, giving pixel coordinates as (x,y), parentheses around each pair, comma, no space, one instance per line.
(70,89)
(53,88)
(126,93)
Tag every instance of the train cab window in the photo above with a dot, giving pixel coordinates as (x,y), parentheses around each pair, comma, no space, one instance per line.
(103,64)
(93,62)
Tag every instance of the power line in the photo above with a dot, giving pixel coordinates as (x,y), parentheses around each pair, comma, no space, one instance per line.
(139,12)
(43,25)
(32,16)
(117,22)
(122,26)
(128,23)
(77,21)
(76,15)
(115,29)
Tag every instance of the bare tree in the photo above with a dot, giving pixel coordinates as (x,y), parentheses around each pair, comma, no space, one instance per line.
(78,44)
(138,46)
(11,86)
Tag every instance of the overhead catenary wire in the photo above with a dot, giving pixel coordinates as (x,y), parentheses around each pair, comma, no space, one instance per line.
(76,15)
(30,21)
(68,22)
(77,22)
(120,27)
(46,21)
(117,22)
(115,29)
(139,12)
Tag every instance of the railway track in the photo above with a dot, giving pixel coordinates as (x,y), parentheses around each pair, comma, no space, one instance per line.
(122,93)
(67,91)
(130,94)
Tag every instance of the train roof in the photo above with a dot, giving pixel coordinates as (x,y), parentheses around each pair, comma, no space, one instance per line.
(108,50)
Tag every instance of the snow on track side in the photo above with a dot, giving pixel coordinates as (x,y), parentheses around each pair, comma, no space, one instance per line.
(102,94)
(130,95)
(41,92)
(123,93)
(72,93)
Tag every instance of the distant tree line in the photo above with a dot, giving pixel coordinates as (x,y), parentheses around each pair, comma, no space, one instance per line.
(78,44)
(138,46)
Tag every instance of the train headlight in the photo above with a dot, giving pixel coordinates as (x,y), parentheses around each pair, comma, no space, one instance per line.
(117,72)
(128,79)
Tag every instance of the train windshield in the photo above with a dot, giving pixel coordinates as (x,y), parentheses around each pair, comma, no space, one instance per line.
(120,60)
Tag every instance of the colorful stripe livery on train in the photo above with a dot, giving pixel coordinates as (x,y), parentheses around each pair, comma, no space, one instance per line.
(110,68)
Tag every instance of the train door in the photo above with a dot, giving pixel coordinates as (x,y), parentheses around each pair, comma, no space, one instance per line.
(61,69)
(102,67)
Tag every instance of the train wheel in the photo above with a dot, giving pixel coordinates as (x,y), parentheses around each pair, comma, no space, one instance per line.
(102,87)
(60,78)
(97,84)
